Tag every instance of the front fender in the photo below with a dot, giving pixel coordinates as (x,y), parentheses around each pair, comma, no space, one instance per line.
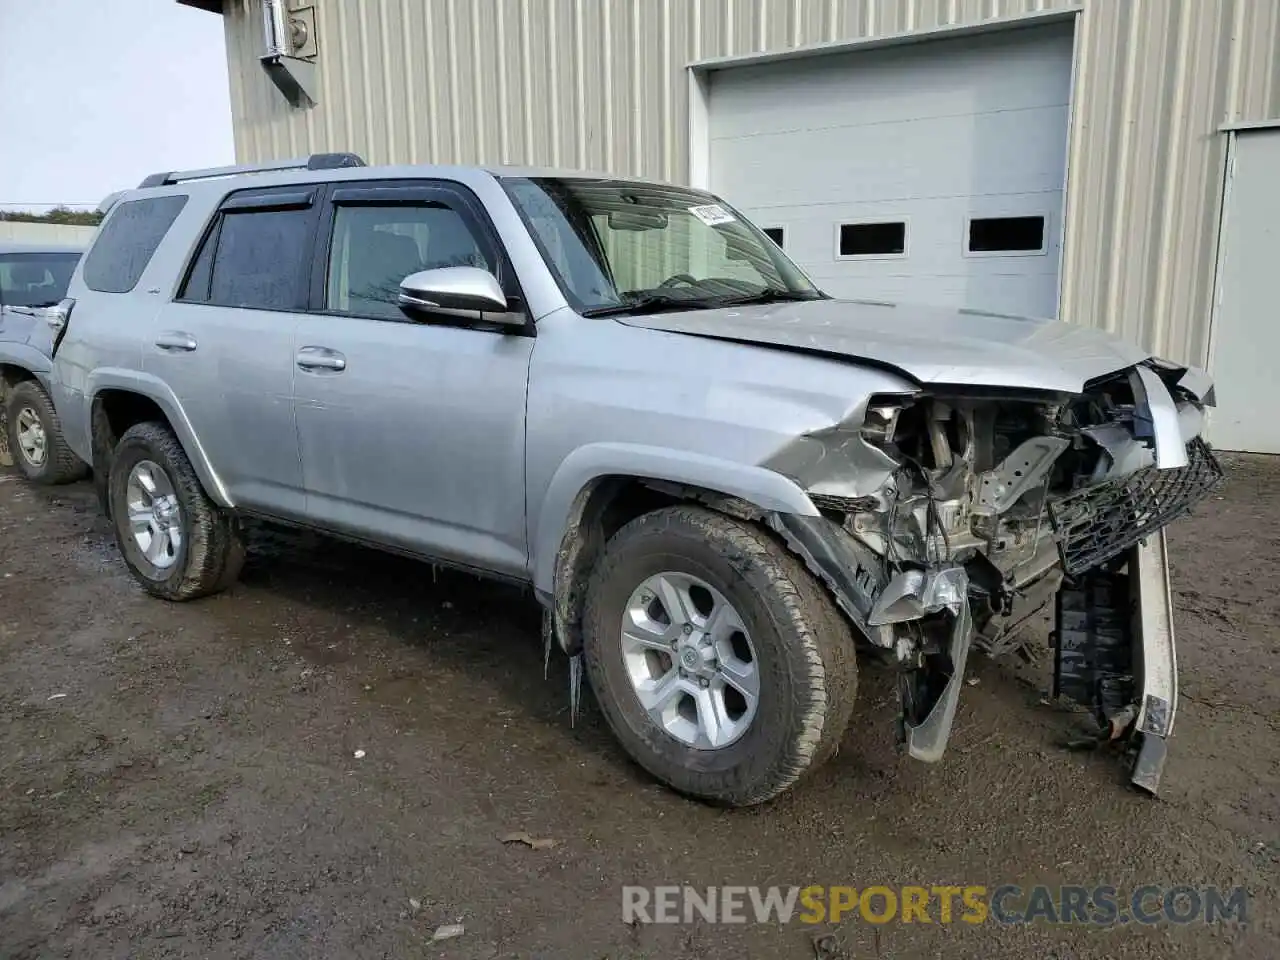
(27,357)
(587,464)
(158,392)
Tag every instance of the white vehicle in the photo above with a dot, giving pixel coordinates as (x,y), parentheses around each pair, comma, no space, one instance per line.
(33,281)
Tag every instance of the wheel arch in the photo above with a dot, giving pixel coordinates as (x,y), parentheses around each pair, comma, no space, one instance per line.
(601,487)
(19,363)
(118,402)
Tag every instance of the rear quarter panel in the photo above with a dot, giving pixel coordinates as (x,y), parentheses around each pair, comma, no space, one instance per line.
(103,345)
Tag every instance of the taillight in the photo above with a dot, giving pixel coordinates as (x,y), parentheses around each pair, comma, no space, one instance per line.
(58,317)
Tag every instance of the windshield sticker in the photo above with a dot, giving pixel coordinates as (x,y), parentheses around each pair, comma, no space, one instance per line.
(712,214)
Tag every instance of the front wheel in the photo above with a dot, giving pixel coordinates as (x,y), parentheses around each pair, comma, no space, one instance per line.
(176,542)
(720,664)
(35,437)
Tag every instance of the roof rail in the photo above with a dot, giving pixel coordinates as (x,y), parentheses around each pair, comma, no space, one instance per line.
(109,201)
(317,161)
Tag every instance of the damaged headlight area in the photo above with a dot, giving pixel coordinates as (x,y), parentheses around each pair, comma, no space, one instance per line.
(951,519)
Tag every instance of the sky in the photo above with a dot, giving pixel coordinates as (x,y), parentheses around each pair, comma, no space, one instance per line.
(96,94)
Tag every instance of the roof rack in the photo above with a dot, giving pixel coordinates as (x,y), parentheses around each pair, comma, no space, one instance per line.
(317,161)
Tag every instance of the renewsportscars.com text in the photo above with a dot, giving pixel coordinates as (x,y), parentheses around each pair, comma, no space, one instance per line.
(1102,905)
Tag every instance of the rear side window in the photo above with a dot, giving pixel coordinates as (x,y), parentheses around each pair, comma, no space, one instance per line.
(253,258)
(128,240)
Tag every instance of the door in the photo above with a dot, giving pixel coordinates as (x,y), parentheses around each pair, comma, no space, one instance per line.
(931,172)
(1246,336)
(412,432)
(225,346)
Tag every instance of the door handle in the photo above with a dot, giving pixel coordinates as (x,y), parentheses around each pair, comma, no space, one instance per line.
(321,358)
(176,340)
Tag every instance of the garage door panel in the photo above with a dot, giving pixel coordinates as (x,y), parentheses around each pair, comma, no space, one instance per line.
(936,236)
(799,95)
(1246,336)
(851,160)
(930,136)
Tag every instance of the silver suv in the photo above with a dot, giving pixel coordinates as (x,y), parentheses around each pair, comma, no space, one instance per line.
(33,283)
(718,480)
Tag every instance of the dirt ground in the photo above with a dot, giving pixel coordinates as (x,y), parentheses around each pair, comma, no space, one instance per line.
(183,780)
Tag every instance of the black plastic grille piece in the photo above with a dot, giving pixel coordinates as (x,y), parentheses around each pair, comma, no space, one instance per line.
(1100,522)
(1094,662)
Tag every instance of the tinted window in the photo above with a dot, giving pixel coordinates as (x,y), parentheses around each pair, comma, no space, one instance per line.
(1006,234)
(127,241)
(35,279)
(374,248)
(873,239)
(197,285)
(776,234)
(258,262)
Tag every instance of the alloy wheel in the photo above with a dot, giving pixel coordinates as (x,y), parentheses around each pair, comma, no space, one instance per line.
(690,660)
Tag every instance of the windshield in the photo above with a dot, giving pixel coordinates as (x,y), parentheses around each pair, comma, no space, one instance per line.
(35,279)
(615,246)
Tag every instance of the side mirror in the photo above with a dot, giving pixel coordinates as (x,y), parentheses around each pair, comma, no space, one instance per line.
(452,288)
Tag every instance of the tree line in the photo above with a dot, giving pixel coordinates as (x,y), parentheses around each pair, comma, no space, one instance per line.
(85,218)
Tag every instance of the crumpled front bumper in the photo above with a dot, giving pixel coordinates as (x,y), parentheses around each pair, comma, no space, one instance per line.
(1115,649)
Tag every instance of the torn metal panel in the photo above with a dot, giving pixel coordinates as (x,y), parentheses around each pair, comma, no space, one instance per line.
(836,462)
(927,738)
(852,572)
(1199,384)
(914,594)
(1125,453)
(1158,404)
(1021,471)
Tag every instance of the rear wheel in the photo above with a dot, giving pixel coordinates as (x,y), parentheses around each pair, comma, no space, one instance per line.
(721,665)
(177,543)
(34,433)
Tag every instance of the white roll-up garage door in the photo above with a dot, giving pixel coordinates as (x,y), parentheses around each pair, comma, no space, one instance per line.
(931,172)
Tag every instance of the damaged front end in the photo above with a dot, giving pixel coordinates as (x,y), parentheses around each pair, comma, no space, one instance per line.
(950,519)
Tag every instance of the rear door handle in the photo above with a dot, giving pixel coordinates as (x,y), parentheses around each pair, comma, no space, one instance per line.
(176,340)
(321,358)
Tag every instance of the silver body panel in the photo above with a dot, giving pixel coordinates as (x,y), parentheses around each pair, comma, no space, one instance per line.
(387,448)
(931,345)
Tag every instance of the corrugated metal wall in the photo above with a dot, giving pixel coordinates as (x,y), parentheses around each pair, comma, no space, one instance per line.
(602,84)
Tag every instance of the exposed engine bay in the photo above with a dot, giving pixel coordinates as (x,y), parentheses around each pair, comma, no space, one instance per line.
(952,518)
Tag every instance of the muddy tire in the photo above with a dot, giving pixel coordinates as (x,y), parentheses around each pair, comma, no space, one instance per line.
(758,621)
(177,543)
(35,441)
